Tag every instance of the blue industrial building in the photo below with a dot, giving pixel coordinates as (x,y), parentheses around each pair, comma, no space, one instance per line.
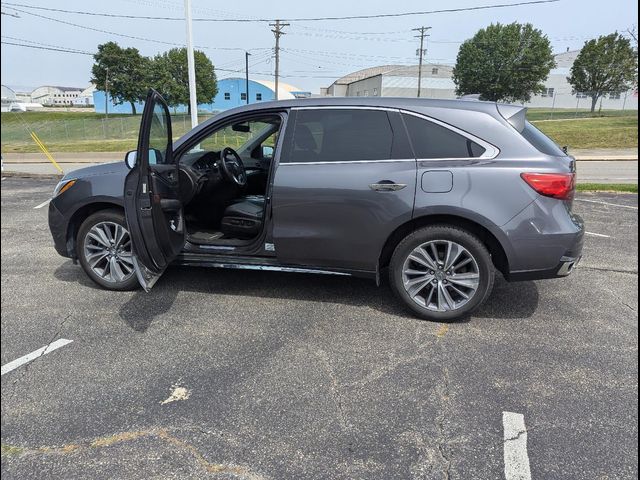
(231,93)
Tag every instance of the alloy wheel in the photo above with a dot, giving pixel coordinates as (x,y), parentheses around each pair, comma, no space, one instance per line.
(107,251)
(441,275)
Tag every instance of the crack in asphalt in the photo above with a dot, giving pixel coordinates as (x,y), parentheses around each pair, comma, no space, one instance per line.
(517,437)
(129,436)
(27,367)
(335,389)
(603,269)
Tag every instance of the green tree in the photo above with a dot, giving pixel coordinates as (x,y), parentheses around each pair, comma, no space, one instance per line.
(607,64)
(171,77)
(124,71)
(504,63)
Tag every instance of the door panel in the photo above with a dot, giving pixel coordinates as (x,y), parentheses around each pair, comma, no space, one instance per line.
(152,205)
(330,215)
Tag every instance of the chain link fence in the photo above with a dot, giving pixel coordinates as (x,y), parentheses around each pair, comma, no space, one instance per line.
(78,132)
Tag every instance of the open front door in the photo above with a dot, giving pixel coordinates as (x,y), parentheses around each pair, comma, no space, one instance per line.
(152,203)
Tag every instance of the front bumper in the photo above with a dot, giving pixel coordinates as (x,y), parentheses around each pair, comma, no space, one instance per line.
(58,227)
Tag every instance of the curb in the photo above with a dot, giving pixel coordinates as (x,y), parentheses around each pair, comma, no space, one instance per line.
(51,176)
(608,159)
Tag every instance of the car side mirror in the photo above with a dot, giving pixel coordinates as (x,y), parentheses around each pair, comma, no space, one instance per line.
(267,152)
(130,159)
(565,149)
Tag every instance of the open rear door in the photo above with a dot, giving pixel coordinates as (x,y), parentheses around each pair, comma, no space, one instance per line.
(151,195)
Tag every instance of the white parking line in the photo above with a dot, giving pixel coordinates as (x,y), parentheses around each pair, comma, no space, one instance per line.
(42,204)
(516,459)
(35,354)
(606,203)
(597,235)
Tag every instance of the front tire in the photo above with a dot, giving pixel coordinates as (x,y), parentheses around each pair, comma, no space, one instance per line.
(441,272)
(103,247)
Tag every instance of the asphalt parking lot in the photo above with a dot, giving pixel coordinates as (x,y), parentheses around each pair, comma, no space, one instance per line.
(260,375)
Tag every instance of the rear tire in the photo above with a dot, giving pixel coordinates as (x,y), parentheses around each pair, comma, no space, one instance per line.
(103,247)
(441,272)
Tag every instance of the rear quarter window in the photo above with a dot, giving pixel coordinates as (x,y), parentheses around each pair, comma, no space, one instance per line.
(431,140)
(540,141)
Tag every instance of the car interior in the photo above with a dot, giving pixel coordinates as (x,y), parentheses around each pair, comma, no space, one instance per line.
(224,179)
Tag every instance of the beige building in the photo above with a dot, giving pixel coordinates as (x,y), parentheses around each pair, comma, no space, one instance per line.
(55,96)
(437,82)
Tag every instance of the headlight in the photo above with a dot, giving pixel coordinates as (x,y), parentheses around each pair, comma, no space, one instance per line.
(63,186)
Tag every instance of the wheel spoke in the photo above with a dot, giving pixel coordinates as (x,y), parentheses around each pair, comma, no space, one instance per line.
(469,280)
(120,235)
(453,253)
(99,236)
(459,292)
(116,271)
(416,285)
(451,304)
(96,258)
(464,262)
(126,258)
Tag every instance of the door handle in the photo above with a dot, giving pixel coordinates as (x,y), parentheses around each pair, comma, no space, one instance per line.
(387,186)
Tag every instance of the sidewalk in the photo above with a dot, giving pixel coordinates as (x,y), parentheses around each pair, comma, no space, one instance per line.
(605,154)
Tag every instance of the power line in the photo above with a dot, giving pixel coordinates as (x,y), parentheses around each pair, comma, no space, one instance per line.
(133,37)
(55,49)
(299,19)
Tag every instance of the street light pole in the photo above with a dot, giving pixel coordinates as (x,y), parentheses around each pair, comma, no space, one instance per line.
(191,65)
(106,93)
(246,71)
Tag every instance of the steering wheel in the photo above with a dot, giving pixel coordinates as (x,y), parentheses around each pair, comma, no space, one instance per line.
(232,167)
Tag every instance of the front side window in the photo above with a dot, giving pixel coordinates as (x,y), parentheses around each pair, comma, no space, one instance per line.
(431,140)
(159,135)
(335,135)
(246,138)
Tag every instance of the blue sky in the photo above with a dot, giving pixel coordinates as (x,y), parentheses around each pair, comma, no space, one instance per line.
(314,53)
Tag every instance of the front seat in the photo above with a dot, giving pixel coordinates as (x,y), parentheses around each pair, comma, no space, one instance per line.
(243,219)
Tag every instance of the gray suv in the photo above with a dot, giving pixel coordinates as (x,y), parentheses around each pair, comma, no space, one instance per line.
(436,194)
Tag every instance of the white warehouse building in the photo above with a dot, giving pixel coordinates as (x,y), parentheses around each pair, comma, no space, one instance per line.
(56,96)
(437,82)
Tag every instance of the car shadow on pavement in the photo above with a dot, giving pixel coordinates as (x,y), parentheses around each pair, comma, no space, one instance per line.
(508,300)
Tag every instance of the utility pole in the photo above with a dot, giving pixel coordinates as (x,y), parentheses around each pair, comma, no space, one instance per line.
(246,71)
(277,31)
(423,33)
(191,64)
(106,93)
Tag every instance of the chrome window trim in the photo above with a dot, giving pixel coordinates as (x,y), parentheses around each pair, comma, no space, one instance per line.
(346,107)
(347,162)
(490,151)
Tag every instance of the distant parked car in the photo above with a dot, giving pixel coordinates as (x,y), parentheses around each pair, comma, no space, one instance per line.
(438,193)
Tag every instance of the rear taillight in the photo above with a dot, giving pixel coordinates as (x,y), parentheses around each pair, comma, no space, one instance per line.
(556,185)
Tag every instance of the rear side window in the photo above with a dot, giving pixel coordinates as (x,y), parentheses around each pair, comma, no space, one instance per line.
(328,135)
(431,140)
(541,142)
